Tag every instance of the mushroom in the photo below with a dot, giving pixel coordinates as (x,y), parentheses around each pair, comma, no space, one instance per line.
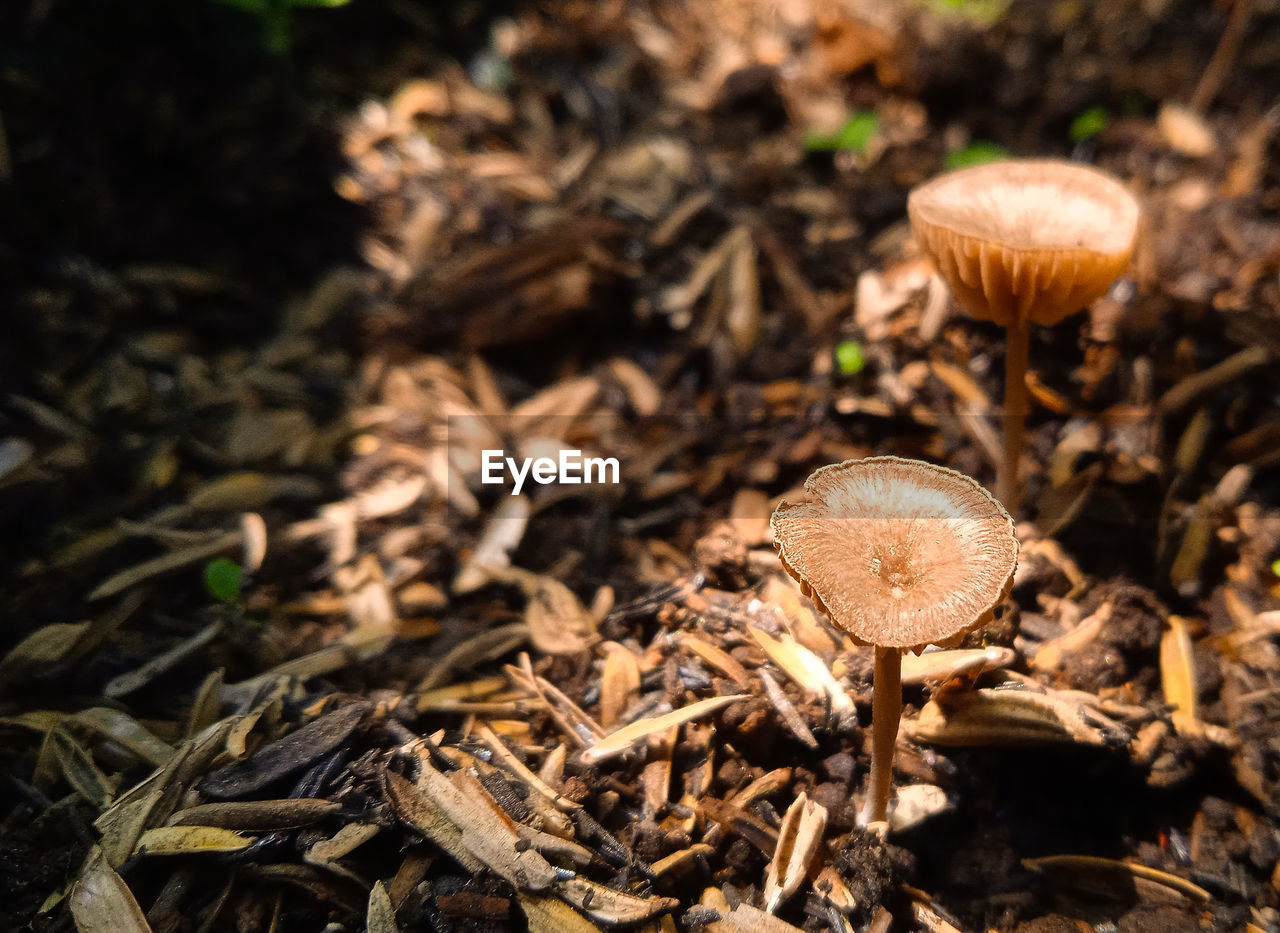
(900,554)
(1023,241)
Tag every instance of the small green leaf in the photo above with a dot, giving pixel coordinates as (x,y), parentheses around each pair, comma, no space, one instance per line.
(976,153)
(852,137)
(1088,124)
(222,578)
(1275,567)
(849,357)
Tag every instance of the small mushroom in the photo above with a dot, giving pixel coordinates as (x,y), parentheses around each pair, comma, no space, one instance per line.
(1024,241)
(900,554)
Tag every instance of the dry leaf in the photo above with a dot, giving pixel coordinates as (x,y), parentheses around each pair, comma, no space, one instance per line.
(183,840)
(380,916)
(102,903)
(610,906)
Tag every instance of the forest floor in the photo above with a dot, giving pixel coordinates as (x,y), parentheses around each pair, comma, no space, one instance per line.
(275,658)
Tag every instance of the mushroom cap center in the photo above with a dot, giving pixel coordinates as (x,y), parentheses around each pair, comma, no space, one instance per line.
(898,553)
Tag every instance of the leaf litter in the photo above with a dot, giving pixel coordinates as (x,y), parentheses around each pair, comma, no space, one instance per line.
(667,281)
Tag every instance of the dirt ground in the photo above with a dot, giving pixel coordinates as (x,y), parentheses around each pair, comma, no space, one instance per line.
(273,655)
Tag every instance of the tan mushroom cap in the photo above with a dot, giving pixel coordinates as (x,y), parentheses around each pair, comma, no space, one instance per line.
(898,553)
(1033,240)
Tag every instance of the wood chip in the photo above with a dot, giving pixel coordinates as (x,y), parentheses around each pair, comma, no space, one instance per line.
(799,838)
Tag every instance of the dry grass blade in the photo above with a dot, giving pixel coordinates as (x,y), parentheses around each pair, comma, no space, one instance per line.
(1013,717)
(174,560)
(102,903)
(141,676)
(612,907)
(620,741)
(42,647)
(1104,876)
(485,646)
(288,813)
(1049,657)
(799,837)
(786,710)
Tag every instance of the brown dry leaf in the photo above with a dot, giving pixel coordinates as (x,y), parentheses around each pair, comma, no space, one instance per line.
(502,535)
(747,919)
(642,392)
(763,786)
(1185,131)
(620,741)
(288,813)
(743,312)
(718,658)
(184,840)
(487,832)
(805,668)
(551,915)
(799,837)
(619,682)
(1108,876)
(558,622)
(380,917)
(122,728)
(420,812)
(43,647)
(102,903)
(78,768)
(612,907)
(1178,676)
(938,667)
(507,759)
(1013,717)
(1085,633)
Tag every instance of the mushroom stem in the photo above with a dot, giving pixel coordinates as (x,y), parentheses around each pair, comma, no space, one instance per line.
(886,710)
(1015,411)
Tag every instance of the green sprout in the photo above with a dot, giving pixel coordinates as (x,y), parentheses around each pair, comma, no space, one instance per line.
(1275,567)
(978,11)
(1088,124)
(976,153)
(223,579)
(852,137)
(849,358)
(276,18)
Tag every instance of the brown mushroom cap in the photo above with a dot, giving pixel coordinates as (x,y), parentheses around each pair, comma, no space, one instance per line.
(1030,240)
(898,553)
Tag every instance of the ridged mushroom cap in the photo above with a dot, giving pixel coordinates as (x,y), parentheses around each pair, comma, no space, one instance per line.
(898,553)
(1031,240)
